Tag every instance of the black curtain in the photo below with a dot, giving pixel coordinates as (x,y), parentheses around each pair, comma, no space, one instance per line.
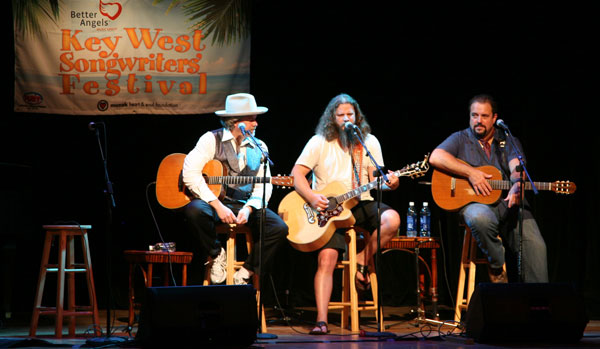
(412,67)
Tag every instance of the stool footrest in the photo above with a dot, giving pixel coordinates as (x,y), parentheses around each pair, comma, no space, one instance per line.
(78,310)
(55,270)
(77,313)
(67,313)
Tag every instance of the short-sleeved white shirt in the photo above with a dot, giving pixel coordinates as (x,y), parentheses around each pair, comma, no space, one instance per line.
(330,163)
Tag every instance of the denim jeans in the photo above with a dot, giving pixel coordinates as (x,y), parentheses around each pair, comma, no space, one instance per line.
(487,222)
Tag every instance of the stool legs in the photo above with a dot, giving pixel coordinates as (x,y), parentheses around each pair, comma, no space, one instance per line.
(85,247)
(65,266)
(131,315)
(60,285)
(350,304)
(466,264)
(354,323)
(232,230)
(263,323)
(40,286)
(467,273)
(231,261)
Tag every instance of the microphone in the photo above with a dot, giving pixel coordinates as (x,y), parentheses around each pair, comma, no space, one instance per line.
(500,124)
(350,126)
(242,128)
(92,126)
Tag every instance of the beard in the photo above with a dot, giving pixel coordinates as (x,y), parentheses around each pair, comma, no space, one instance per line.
(480,135)
(346,137)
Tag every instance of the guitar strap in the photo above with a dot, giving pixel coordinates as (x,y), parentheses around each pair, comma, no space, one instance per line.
(357,152)
(501,149)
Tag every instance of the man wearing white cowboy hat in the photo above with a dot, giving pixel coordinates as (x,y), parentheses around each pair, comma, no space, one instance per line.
(242,202)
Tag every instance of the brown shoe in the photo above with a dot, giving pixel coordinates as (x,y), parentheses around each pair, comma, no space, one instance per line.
(497,276)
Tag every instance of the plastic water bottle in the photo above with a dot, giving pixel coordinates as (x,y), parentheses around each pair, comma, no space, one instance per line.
(411,220)
(425,220)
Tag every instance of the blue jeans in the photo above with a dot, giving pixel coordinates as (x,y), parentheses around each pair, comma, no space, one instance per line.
(487,222)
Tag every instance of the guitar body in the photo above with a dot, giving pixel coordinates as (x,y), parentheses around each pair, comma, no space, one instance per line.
(214,168)
(171,192)
(309,229)
(451,193)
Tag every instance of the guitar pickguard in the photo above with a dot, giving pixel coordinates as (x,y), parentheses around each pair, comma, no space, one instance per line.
(310,215)
(325,216)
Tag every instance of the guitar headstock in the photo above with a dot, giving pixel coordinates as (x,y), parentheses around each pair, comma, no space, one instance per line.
(418,169)
(284,181)
(563,187)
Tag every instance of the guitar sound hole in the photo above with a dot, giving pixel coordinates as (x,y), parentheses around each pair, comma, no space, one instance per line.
(332,204)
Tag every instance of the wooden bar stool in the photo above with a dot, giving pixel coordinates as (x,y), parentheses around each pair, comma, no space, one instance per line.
(66,265)
(350,305)
(468,267)
(232,231)
(148,259)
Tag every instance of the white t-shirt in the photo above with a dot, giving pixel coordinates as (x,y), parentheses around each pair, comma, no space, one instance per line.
(330,163)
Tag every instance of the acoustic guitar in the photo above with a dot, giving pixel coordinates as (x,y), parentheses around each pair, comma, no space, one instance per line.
(310,229)
(172,193)
(451,192)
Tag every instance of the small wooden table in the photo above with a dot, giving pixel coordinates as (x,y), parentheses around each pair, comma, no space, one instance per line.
(148,259)
(413,245)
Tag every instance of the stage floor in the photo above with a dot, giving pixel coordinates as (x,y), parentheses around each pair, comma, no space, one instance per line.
(291,331)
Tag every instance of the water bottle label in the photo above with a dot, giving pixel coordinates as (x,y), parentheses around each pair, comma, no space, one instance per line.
(410,227)
(425,229)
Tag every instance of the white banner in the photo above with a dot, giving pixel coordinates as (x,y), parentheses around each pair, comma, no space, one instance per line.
(127,57)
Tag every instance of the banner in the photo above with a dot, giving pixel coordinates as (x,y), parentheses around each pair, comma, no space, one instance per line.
(90,57)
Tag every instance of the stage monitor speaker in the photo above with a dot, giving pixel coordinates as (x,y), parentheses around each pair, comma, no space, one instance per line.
(216,315)
(526,312)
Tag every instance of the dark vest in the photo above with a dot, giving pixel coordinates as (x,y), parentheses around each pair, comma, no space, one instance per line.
(225,153)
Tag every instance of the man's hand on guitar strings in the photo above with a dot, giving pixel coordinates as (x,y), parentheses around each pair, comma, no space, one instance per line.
(479,181)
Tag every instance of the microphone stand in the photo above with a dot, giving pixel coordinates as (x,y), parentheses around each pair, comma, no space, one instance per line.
(523,172)
(264,160)
(110,204)
(381,175)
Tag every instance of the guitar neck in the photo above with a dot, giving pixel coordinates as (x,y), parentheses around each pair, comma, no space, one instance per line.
(359,190)
(237,180)
(505,185)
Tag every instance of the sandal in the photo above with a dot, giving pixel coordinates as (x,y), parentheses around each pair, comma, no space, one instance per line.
(362,285)
(320,328)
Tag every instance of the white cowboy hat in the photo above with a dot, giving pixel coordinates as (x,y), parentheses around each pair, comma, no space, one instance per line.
(241,104)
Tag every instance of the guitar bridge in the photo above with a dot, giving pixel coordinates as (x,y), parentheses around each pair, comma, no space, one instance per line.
(453,187)
(326,215)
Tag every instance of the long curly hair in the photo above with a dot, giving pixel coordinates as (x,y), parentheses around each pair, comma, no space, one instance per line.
(327,126)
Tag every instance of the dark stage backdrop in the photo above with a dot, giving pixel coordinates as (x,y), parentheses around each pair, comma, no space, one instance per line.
(412,68)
